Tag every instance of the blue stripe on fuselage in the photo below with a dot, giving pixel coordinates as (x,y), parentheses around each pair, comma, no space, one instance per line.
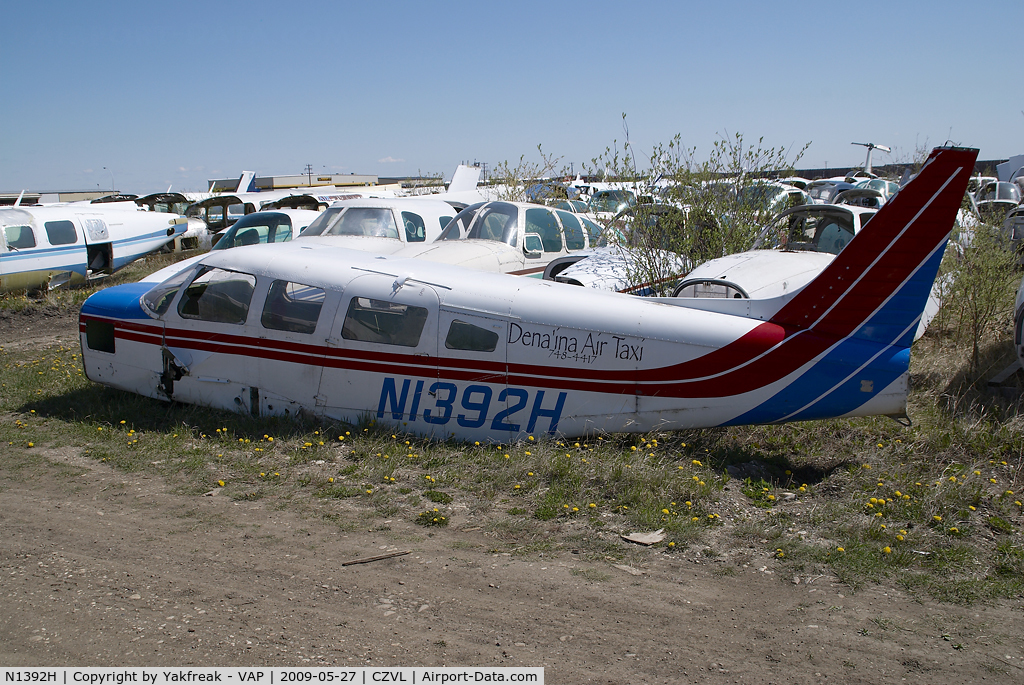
(882,344)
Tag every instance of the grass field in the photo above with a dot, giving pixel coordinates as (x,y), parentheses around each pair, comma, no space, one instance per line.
(934,507)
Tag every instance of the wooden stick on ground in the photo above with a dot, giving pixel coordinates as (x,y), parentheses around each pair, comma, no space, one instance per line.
(376,558)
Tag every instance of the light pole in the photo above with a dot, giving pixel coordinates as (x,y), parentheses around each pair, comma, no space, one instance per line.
(112,189)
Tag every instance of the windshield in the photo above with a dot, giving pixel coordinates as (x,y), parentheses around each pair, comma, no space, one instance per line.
(365,221)
(158,300)
(496,221)
(257,229)
(827,231)
(758,197)
(326,219)
(611,201)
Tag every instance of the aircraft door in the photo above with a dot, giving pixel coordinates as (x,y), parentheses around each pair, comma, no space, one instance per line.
(381,358)
(290,326)
(209,344)
(472,375)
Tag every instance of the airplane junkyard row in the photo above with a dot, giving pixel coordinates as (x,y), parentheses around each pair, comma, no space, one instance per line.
(441,350)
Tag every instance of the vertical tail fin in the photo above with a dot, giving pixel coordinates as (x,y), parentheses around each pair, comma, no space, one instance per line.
(876,288)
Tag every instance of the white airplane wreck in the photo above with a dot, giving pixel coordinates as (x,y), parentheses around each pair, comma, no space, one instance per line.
(440,351)
(55,245)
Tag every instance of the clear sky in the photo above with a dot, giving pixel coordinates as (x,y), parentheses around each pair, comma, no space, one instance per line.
(148,95)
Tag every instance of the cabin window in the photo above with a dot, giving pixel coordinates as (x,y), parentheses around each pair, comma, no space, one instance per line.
(466,336)
(218,296)
(387,323)
(574,239)
(415,231)
(292,307)
(215,217)
(20,237)
(60,232)
(542,222)
(595,231)
(445,220)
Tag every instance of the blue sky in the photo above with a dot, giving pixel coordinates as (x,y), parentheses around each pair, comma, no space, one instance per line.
(174,94)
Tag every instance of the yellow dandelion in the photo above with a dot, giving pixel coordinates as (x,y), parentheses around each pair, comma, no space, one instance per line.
(866,466)
(329,480)
(671,544)
(887,550)
(220,483)
(664,511)
(696,462)
(592,505)
(840,549)
(771,497)
(900,538)
(936,518)
(369,492)
(530,438)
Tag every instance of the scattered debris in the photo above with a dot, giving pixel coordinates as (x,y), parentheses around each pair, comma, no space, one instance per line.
(646,538)
(629,569)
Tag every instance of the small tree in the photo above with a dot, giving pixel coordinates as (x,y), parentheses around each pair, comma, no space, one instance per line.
(723,199)
(982,284)
(511,181)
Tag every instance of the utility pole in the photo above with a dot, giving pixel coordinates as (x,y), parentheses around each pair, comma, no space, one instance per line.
(309,174)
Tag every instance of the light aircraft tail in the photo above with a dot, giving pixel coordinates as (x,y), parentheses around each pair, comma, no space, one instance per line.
(843,341)
(465,178)
(246,182)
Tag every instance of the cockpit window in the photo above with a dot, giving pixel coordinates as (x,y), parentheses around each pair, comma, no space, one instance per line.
(218,296)
(828,231)
(364,221)
(324,221)
(292,307)
(257,229)
(383,322)
(158,300)
(496,221)
(487,221)
(611,201)
(19,237)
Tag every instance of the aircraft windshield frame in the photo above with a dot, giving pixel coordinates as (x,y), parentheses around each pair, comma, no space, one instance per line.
(808,229)
(235,236)
(481,222)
